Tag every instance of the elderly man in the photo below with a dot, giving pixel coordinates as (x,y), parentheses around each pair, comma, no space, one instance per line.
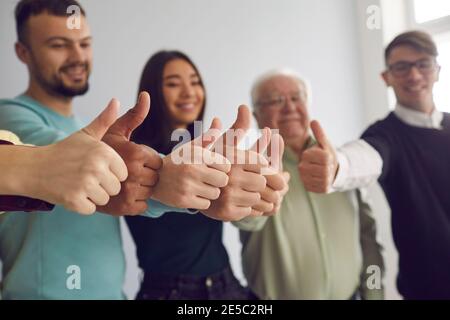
(408,153)
(317,246)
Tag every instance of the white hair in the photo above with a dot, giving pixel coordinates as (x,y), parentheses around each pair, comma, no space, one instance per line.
(276,73)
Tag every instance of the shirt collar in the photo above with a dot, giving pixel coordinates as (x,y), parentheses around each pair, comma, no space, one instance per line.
(419,119)
(292,156)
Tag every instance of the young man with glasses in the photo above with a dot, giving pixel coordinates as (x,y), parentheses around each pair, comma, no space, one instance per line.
(408,152)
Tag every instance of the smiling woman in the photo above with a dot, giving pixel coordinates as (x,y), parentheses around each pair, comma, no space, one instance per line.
(182,255)
(183,93)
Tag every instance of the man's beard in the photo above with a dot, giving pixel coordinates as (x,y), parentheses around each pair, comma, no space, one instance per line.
(56,86)
(70,92)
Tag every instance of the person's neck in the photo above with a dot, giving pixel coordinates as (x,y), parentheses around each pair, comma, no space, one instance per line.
(59,104)
(177,126)
(298,146)
(427,108)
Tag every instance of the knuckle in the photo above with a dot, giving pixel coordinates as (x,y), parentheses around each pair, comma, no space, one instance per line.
(134,170)
(216,194)
(233,178)
(261,183)
(223,180)
(86,183)
(206,205)
(103,201)
(115,189)
(255,197)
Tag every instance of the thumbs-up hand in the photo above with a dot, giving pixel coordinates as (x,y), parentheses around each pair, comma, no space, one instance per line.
(318,165)
(277,181)
(246,182)
(191,176)
(80,172)
(142,162)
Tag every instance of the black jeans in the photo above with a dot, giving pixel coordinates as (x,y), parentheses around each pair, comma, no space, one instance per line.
(220,286)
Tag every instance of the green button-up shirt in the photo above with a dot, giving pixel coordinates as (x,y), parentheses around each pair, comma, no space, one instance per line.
(318,246)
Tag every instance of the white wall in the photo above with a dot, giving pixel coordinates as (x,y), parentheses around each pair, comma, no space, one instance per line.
(232,41)
(376,106)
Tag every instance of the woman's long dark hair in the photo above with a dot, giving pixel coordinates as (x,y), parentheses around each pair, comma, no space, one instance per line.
(155,131)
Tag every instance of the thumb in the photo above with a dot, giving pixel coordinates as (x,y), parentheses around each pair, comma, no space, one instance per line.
(263,142)
(98,127)
(211,135)
(239,128)
(243,118)
(126,124)
(275,155)
(275,152)
(319,134)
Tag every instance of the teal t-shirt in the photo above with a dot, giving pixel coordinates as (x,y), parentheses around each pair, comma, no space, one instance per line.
(58,254)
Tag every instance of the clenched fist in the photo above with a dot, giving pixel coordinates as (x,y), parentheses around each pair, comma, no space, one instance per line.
(191,176)
(79,172)
(318,165)
(142,162)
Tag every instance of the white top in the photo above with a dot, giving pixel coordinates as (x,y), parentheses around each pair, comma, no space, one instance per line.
(360,164)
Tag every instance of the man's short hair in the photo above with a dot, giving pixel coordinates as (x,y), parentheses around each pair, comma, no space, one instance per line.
(418,40)
(27,8)
(286,72)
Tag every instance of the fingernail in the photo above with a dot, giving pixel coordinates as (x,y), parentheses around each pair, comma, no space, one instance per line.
(140,96)
(208,139)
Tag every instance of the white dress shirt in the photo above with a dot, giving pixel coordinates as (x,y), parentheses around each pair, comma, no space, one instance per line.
(360,164)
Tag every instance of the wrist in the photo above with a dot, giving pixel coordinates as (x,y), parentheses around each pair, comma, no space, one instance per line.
(20,161)
(32,171)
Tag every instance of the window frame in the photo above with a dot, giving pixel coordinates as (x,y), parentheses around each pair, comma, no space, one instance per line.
(437,26)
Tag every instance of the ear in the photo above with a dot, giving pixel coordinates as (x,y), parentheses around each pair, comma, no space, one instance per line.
(21,52)
(438,72)
(385,77)
(255,114)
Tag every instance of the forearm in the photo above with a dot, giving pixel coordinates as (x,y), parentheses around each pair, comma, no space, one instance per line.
(359,166)
(20,173)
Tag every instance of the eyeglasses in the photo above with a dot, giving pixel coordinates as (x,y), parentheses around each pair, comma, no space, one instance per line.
(403,68)
(280,101)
